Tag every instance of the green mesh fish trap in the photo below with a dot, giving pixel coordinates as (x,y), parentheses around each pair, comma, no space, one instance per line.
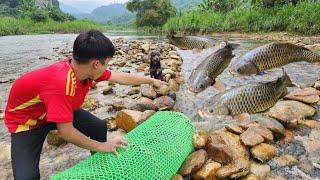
(157,148)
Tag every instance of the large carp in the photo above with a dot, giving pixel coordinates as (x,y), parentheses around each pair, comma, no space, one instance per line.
(190,42)
(204,75)
(251,98)
(273,55)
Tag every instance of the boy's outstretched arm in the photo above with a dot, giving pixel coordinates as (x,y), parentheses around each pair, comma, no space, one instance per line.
(130,79)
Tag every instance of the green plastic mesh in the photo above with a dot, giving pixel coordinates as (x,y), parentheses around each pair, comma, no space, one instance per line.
(157,148)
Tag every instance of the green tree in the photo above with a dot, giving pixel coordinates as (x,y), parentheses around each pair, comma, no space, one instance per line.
(151,12)
(219,5)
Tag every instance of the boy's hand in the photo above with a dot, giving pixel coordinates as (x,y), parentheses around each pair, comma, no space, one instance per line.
(157,83)
(111,145)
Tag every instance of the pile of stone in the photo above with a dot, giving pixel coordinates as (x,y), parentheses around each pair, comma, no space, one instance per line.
(248,149)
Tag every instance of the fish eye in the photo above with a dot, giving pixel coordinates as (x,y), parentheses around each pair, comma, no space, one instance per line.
(211,110)
(201,86)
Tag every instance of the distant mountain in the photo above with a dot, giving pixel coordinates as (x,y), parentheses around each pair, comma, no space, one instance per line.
(185,4)
(84,6)
(114,13)
(69,9)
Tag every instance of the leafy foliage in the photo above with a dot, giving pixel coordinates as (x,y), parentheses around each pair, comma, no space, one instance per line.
(151,12)
(301,18)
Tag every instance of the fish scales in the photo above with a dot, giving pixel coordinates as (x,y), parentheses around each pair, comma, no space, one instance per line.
(205,73)
(274,55)
(251,98)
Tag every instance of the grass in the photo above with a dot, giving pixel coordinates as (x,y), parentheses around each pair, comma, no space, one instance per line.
(303,19)
(13,26)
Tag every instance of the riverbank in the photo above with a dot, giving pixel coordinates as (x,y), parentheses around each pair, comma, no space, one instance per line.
(15,26)
(300,19)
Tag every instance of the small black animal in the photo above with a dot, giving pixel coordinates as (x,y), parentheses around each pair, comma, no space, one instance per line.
(155,65)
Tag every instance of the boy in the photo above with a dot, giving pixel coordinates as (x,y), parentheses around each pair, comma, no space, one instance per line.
(51,97)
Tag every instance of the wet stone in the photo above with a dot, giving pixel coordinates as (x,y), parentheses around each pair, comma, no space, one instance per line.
(263,152)
(284,160)
(148,91)
(200,139)
(269,123)
(234,129)
(238,168)
(194,162)
(260,170)
(291,112)
(308,95)
(208,171)
(164,103)
(224,147)
(293,147)
(177,177)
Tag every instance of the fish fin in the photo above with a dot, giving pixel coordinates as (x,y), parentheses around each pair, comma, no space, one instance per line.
(226,39)
(233,46)
(261,73)
(218,85)
(196,50)
(242,117)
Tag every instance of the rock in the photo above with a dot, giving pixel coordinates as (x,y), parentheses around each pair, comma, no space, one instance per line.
(172,95)
(147,114)
(54,139)
(111,123)
(129,119)
(1,116)
(255,135)
(307,95)
(140,106)
(144,100)
(145,48)
(312,123)
(107,90)
(223,147)
(173,85)
(167,77)
(169,71)
(134,91)
(238,168)
(291,112)
(251,177)
(163,90)
(208,171)
(121,103)
(261,170)
(200,139)
(269,123)
(148,91)
(234,128)
(175,57)
(263,152)
(284,160)
(164,103)
(306,166)
(172,53)
(177,177)
(194,162)
(317,85)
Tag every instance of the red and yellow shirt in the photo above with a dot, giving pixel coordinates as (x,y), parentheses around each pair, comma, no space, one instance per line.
(49,94)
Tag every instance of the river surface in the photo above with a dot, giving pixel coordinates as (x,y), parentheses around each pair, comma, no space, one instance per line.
(21,54)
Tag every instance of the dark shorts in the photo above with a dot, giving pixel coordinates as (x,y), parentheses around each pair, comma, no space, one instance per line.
(26,146)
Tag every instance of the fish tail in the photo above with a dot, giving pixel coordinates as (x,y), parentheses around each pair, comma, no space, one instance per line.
(313,57)
(285,79)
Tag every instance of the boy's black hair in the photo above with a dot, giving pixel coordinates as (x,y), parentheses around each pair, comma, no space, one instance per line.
(92,45)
